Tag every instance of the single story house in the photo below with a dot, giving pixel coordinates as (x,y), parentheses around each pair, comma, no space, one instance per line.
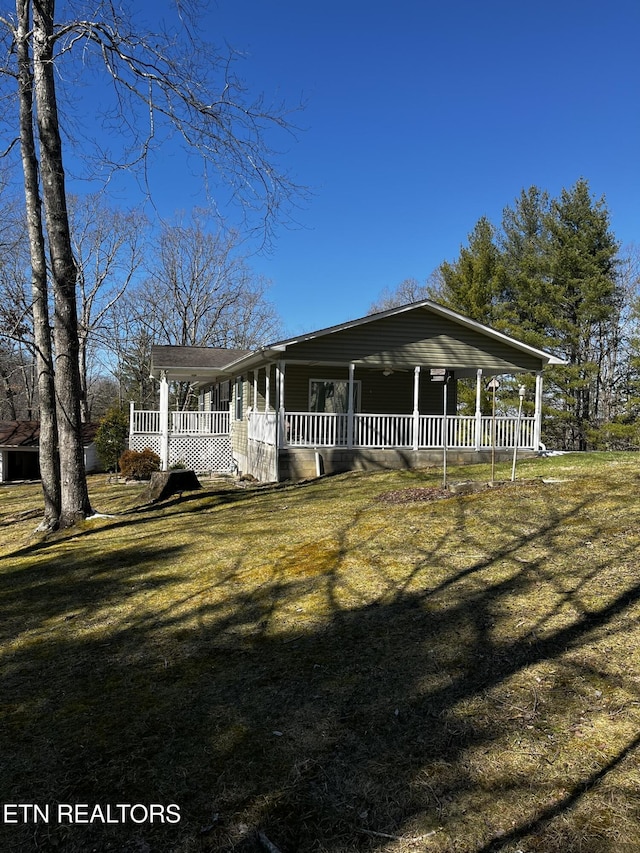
(19,450)
(379,391)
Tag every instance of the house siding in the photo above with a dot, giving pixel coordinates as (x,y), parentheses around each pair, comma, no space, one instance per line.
(379,394)
(239,438)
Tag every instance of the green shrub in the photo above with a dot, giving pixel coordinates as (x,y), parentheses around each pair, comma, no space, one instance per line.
(111,437)
(139,465)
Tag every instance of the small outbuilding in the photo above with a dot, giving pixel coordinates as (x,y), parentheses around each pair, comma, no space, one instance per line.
(20,450)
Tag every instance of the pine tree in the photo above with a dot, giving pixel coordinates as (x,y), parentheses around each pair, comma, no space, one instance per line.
(473,284)
(585,300)
(527,309)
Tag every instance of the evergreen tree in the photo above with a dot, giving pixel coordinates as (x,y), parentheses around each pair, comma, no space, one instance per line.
(111,437)
(527,308)
(585,299)
(549,277)
(473,284)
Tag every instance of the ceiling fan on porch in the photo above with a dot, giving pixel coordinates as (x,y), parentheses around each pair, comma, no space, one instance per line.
(389,371)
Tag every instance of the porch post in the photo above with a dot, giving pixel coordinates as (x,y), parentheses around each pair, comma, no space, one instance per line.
(255,390)
(352,368)
(478,408)
(537,424)
(164,421)
(132,408)
(282,434)
(416,407)
(267,386)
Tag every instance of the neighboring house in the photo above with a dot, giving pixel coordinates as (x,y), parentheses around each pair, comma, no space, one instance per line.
(19,450)
(369,393)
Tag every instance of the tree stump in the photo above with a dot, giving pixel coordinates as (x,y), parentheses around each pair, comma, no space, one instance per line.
(163,484)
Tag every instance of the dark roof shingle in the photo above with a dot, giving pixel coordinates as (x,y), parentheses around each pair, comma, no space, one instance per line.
(27,433)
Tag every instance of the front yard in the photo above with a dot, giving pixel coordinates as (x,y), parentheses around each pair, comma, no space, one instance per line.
(323,669)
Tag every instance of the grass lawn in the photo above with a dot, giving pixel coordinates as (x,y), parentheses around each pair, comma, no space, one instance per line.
(319,668)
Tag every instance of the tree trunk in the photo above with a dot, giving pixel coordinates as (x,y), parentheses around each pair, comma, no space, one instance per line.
(49,463)
(75,497)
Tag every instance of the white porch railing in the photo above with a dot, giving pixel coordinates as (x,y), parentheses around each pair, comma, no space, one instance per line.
(198,440)
(200,423)
(311,429)
(181,423)
(144,421)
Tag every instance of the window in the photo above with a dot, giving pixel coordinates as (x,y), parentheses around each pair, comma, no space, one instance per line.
(332,395)
(216,398)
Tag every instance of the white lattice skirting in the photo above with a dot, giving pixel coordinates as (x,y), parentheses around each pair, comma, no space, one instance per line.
(201,453)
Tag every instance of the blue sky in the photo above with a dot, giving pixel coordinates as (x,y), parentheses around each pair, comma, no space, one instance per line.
(423,116)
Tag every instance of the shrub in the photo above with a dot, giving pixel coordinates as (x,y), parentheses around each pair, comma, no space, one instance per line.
(111,437)
(139,465)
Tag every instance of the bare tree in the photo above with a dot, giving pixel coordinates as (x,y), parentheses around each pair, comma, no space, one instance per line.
(109,248)
(130,342)
(74,504)
(200,290)
(409,290)
(49,462)
(17,366)
(161,82)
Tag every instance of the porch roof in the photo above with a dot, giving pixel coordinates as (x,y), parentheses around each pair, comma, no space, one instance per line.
(193,363)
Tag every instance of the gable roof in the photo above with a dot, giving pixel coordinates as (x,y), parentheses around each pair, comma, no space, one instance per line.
(279,348)
(421,332)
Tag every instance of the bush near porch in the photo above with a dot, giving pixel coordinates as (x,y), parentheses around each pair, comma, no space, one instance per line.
(330,671)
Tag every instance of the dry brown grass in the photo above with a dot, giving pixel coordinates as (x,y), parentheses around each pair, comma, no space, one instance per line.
(335,671)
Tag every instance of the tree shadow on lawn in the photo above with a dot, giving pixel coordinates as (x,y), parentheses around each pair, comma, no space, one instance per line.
(394,719)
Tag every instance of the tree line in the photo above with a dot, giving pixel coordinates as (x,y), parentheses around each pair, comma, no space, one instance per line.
(553,275)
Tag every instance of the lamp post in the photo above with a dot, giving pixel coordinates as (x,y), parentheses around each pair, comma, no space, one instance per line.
(521,392)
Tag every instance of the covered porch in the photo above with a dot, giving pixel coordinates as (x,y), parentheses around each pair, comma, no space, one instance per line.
(416,430)
(285,443)
(201,439)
